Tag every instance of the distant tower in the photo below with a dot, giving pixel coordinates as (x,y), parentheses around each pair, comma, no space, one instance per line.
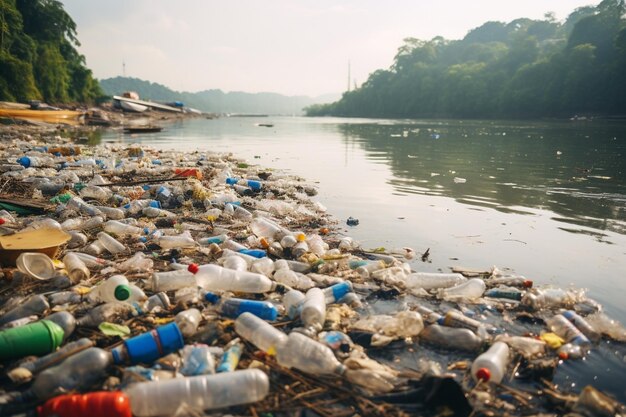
(348,76)
(124,68)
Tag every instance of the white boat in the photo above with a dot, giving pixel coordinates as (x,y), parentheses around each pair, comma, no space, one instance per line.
(132,107)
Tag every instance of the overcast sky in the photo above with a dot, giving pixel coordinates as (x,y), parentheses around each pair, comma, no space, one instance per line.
(292,47)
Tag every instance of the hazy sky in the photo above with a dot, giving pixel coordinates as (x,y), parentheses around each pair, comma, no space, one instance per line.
(293,47)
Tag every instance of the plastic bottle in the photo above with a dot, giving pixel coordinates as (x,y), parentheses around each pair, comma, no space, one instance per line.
(188,321)
(491,365)
(215,278)
(472,289)
(457,319)
(336,292)
(37,161)
(95,248)
(236,263)
(582,325)
(433,280)
(64,297)
(77,203)
(173,280)
(451,338)
(509,293)
(204,392)
(259,332)
(37,338)
(34,305)
(313,311)
(292,301)
(65,320)
(308,355)
(111,213)
(91,261)
(565,329)
(293,279)
(234,307)
(136,206)
(176,242)
(206,241)
(121,229)
(115,288)
(77,372)
(429,315)
(95,192)
(111,312)
(93,404)
(529,347)
(230,357)
(110,243)
(264,266)
(263,227)
(75,267)
(541,298)
(511,281)
(149,346)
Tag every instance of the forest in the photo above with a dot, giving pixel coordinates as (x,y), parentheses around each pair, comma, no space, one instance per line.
(522,69)
(38,56)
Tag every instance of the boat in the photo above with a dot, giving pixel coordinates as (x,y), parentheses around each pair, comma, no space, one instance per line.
(132,107)
(142,129)
(48,116)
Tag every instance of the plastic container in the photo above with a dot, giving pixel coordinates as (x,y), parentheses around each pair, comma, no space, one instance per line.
(308,355)
(313,311)
(205,392)
(77,372)
(110,243)
(582,325)
(215,278)
(95,192)
(76,268)
(259,332)
(34,305)
(266,228)
(508,293)
(150,346)
(433,280)
(111,312)
(206,241)
(188,321)
(451,338)
(512,281)
(293,279)
(292,301)
(111,213)
(115,288)
(176,242)
(472,289)
(77,204)
(491,365)
(173,280)
(36,265)
(236,263)
(122,229)
(565,329)
(93,404)
(37,338)
(527,346)
(234,307)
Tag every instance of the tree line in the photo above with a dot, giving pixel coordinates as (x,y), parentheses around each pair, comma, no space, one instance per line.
(521,69)
(38,56)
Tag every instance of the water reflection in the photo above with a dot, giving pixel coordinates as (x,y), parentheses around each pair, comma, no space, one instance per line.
(573,170)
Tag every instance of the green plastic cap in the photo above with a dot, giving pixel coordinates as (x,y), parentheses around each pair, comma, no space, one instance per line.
(56,334)
(122,292)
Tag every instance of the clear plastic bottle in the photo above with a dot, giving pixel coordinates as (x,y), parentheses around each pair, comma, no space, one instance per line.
(510,281)
(203,392)
(77,204)
(173,280)
(292,301)
(472,289)
(433,280)
(565,329)
(121,229)
(75,373)
(263,266)
(491,365)
(77,240)
(236,263)
(206,241)
(52,359)
(259,332)
(64,297)
(429,315)
(336,292)
(526,346)
(75,267)
(111,213)
(95,192)
(110,243)
(313,311)
(451,338)
(188,321)
(582,325)
(34,305)
(181,241)
(95,248)
(457,319)
(263,227)
(308,355)
(234,307)
(91,261)
(213,277)
(293,279)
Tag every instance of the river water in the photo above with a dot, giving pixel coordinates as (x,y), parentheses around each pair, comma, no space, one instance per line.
(544,199)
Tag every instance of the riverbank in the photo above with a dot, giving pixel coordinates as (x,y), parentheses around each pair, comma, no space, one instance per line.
(284,199)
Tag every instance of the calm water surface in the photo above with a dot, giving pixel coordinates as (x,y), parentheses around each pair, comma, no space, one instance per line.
(545,199)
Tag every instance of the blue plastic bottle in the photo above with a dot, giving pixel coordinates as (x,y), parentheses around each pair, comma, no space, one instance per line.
(234,307)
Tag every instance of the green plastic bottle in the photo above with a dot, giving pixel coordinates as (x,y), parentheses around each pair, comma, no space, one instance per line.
(37,338)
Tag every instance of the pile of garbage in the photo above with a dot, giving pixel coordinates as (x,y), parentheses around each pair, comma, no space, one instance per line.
(148,283)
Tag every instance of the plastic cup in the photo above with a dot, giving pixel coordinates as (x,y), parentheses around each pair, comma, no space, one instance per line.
(36,265)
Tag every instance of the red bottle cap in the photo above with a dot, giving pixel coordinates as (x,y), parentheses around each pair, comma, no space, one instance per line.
(528,283)
(483,374)
(193,268)
(2,221)
(563,355)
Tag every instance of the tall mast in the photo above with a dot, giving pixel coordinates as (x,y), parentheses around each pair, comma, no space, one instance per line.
(348,75)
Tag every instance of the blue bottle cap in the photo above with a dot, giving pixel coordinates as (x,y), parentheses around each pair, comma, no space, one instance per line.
(211,297)
(255,185)
(341,289)
(24,161)
(232,181)
(155,204)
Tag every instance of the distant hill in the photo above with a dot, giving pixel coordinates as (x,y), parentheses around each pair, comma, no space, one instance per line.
(216,101)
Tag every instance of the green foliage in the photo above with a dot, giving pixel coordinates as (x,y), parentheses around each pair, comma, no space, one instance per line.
(39,59)
(524,68)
